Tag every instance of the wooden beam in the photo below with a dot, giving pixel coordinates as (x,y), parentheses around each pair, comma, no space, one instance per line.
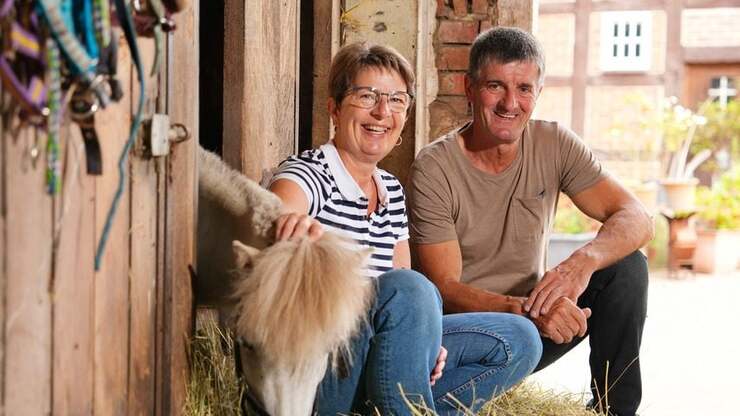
(3,254)
(557,8)
(182,106)
(516,13)
(325,45)
(711,55)
(623,79)
(426,72)
(620,5)
(260,91)
(111,293)
(705,4)
(580,66)
(674,59)
(28,273)
(74,281)
(143,275)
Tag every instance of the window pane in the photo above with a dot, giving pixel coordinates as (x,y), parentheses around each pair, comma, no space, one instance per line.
(627,30)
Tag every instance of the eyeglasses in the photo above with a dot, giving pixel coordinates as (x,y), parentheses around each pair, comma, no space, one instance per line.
(369,97)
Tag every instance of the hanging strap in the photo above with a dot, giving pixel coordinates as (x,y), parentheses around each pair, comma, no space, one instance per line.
(127,24)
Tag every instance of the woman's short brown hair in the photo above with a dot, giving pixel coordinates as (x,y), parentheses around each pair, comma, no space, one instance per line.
(355,57)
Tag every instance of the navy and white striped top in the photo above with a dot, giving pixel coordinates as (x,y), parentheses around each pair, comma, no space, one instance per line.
(336,201)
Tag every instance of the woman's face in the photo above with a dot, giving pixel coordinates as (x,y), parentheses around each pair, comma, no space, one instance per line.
(369,134)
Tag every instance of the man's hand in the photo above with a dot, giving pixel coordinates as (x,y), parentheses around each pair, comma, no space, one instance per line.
(568,279)
(293,226)
(564,322)
(441,361)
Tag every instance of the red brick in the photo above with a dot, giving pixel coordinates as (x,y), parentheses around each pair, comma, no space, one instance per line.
(460,7)
(453,58)
(451,31)
(485,25)
(480,6)
(442,9)
(452,83)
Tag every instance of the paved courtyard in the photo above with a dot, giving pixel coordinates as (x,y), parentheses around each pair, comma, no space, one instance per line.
(690,351)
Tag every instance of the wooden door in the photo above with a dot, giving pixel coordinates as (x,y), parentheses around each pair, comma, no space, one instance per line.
(113,341)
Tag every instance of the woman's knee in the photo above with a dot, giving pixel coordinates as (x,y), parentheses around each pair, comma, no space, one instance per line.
(410,285)
(525,343)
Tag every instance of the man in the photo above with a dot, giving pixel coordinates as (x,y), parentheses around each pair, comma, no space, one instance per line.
(482,201)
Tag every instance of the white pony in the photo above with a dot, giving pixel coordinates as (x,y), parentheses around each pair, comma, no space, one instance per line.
(294,305)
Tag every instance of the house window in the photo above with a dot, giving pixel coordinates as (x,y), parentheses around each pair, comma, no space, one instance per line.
(722,89)
(626,41)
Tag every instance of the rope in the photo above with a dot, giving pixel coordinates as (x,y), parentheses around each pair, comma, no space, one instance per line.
(126,21)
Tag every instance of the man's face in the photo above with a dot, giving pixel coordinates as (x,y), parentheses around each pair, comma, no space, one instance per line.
(503,98)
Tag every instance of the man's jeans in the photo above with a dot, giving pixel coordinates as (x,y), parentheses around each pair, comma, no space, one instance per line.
(617,296)
(487,353)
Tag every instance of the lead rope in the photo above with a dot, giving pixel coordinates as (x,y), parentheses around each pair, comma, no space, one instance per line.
(127,24)
(55,116)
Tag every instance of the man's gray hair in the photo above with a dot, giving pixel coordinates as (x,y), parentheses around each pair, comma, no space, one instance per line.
(504,45)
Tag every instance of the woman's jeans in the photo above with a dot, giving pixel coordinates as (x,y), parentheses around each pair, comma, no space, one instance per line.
(398,349)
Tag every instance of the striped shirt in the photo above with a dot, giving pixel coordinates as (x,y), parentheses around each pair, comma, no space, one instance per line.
(337,202)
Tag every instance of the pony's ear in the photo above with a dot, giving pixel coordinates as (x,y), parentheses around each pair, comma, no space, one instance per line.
(243,254)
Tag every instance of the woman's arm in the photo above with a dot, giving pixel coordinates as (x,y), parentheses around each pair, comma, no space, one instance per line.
(295,222)
(402,255)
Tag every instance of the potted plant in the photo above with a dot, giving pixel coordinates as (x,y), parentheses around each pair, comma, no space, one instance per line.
(719,229)
(678,125)
(571,230)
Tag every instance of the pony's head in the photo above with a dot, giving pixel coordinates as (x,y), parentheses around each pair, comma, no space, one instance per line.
(299,304)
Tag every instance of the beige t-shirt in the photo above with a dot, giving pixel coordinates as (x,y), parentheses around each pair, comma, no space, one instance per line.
(501,221)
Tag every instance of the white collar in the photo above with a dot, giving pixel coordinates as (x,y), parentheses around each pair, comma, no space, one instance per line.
(345,182)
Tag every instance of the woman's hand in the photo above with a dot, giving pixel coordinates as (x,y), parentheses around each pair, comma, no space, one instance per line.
(293,226)
(441,361)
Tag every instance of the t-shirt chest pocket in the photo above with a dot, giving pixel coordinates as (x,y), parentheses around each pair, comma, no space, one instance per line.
(528,215)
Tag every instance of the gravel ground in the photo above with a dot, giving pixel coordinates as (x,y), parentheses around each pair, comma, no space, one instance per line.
(690,351)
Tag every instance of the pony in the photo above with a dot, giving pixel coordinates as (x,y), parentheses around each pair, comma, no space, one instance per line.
(293,305)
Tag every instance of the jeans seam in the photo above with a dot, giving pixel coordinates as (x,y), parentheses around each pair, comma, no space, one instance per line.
(383,370)
(487,373)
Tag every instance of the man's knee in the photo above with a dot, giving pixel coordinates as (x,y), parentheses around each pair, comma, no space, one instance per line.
(632,273)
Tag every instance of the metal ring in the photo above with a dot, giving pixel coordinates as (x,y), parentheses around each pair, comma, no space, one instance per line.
(173,135)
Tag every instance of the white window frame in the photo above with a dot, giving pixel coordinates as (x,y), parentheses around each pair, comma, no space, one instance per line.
(625,44)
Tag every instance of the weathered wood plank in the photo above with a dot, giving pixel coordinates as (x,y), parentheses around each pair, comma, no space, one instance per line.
(580,67)
(325,45)
(143,276)
(73,287)
(260,99)
(3,254)
(112,280)
(180,205)
(518,13)
(398,26)
(29,267)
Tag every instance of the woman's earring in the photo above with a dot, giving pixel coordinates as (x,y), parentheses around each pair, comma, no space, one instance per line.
(400,140)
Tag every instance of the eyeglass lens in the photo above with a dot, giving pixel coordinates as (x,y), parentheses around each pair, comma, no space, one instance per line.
(368,97)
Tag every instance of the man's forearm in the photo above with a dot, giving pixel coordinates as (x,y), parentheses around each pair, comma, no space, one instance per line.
(621,234)
(459,298)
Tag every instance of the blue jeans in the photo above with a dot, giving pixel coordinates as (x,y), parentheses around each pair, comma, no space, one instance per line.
(487,353)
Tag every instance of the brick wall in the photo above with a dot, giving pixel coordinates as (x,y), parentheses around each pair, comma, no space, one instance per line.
(722,21)
(459,22)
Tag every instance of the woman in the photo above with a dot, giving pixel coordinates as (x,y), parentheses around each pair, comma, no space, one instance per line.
(339,186)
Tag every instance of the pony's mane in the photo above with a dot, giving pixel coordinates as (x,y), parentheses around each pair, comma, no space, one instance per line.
(304,299)
(236,193)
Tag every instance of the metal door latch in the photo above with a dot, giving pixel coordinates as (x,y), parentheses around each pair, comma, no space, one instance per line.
(159,133)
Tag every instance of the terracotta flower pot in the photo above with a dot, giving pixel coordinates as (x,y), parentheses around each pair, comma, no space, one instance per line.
(680,194)
(716,251)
